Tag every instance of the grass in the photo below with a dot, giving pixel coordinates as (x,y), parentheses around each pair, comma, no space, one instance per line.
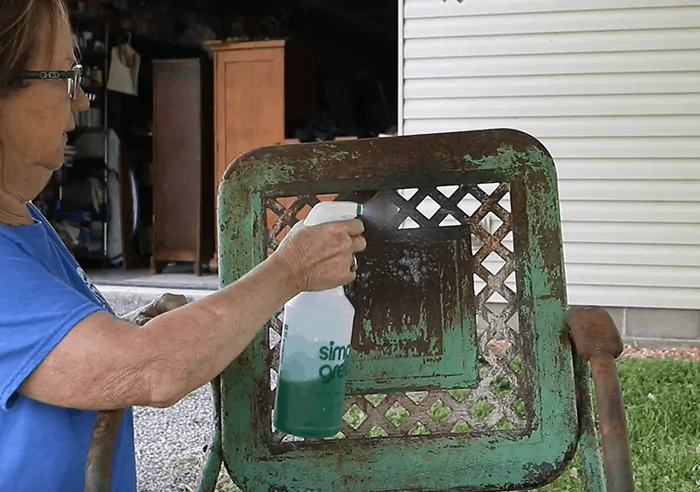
(662,398)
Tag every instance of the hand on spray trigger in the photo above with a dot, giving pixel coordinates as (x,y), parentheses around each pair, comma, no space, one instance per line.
(320,253)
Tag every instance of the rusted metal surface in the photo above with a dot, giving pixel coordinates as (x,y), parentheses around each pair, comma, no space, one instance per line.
(598,341)
(447,389)
(98,473)
(414,299)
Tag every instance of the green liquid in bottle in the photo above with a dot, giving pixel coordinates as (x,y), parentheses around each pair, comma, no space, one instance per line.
(312,409)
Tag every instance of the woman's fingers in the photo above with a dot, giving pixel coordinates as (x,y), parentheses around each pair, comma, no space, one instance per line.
(355,227)
(359,243)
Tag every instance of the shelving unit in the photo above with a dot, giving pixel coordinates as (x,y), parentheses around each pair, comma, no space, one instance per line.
(72,202)
(151,143)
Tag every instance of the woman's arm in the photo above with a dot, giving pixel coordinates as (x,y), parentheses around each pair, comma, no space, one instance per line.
(106,363)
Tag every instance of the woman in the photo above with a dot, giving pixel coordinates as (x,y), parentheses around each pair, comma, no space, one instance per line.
(63,353)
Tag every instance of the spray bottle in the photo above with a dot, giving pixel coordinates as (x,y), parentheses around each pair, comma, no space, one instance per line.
(315,350)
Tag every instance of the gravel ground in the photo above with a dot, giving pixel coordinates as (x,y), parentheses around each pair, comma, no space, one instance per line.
(170,442)
(676,354)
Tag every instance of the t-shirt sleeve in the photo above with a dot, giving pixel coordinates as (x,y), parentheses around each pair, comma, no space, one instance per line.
(37,310)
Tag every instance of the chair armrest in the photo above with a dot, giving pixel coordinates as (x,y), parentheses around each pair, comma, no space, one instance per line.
(597,340)
(98,472)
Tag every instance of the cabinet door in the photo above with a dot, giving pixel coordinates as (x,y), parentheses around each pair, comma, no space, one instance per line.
(249,102)
(177,160)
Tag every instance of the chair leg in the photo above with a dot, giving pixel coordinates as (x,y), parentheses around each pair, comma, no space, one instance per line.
(597,340)
(588,447)
(212,465)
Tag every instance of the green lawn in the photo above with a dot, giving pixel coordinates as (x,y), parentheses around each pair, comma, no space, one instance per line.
(662,398)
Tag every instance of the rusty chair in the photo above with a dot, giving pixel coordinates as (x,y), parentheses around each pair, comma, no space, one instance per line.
(468,371)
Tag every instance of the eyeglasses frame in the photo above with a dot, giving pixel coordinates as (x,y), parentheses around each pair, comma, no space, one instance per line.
(74,75)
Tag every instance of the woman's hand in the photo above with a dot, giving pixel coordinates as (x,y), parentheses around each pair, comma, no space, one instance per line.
(163,304)
(321,257)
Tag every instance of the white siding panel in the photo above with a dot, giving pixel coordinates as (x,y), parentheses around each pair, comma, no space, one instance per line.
(637,296)
(631,255)
(634,275)
(558,64)
(424,9)
(563,126)
(553,85)
(602,148)
(549,22)
(558,43)
(630,191)
(631,235)
(641,212)
(519,107)
(612,89)
(629,169)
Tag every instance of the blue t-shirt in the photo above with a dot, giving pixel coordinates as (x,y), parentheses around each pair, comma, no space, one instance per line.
(43,294)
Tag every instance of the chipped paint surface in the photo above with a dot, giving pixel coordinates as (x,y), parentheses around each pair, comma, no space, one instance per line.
(416,328)
(409,328)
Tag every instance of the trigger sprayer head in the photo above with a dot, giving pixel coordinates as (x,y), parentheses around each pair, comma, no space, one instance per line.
(333,211)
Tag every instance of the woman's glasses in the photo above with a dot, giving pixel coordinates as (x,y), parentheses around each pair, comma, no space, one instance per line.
(73,77)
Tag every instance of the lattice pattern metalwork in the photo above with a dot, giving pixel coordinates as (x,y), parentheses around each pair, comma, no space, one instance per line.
(497,402)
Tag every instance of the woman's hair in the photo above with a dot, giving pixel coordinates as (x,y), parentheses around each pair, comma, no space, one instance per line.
(20,38)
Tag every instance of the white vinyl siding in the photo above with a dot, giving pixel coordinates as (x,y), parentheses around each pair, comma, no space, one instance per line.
(612,89)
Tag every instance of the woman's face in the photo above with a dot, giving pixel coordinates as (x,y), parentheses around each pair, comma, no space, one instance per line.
(34,120)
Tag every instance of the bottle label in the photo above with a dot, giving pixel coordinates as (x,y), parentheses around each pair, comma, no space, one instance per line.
(336,359)
(305,360)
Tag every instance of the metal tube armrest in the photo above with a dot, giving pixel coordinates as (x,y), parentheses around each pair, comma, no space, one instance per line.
(98,472)
(597,340)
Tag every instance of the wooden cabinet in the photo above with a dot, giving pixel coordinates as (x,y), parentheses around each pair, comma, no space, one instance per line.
(248,98)
(262,91)
(249,102)
(183,163)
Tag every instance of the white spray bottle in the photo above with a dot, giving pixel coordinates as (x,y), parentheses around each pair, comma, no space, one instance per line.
(315,350)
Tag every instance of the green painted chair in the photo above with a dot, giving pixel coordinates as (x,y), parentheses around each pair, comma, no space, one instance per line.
(468,372)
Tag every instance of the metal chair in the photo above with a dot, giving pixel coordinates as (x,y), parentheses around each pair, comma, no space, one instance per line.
(468,370)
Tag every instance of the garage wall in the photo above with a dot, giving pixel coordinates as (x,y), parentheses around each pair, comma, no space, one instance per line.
(613,90)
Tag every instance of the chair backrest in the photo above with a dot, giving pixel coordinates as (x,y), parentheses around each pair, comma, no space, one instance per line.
(462,373)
